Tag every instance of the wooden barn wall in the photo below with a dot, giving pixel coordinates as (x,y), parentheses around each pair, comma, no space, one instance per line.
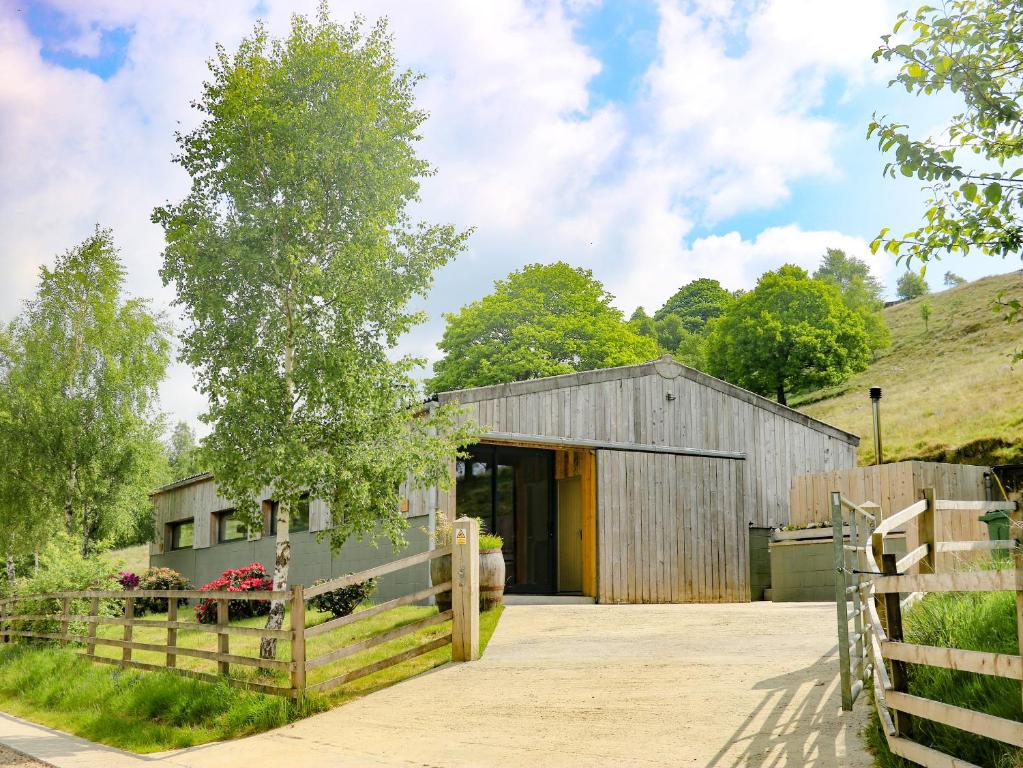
(637,409)
(895,487)
(200,500)
(671,529)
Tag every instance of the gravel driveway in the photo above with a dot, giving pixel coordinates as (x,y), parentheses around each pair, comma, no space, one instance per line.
(584,685)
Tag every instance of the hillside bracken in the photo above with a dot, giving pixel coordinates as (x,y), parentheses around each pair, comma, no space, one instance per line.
(951,392)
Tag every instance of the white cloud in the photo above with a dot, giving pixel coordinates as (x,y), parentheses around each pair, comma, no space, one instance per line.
(728,120)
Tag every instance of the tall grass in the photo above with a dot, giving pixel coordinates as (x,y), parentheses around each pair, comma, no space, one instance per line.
(984,621)
(129,709)
(146,711)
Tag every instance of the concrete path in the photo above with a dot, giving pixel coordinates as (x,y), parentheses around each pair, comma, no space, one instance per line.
(567,685)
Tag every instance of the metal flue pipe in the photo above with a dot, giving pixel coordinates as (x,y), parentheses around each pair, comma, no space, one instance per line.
(875,402)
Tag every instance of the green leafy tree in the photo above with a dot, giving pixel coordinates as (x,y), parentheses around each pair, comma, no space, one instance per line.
(540,321)
(696,304)
(970,50)
(911,285)
(952,280)
(790,333)
(643,324)
(183,453)
(78,425)
(295,259)
(925,315)
(861,291)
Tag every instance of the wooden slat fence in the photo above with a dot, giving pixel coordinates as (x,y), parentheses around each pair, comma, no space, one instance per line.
(59,608)
(875,582)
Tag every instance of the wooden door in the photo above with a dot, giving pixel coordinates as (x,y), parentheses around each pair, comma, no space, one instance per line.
(570,535)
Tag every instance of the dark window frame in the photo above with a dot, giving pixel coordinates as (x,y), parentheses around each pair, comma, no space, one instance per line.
(292,528)
(174,536)
(220,517)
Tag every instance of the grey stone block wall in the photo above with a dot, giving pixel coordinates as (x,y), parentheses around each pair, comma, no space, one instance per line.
(310,560)
(804,571)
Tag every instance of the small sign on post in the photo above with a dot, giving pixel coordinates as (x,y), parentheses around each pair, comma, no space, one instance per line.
(465,590)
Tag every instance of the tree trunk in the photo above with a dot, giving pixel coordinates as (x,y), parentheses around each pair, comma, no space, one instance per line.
(781,393)
(10,569)
(268,645)
(86,533)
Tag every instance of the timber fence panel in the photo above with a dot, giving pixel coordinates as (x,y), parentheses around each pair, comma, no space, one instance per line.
(879,626)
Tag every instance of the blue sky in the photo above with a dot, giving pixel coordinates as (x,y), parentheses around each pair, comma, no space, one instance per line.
(651,142)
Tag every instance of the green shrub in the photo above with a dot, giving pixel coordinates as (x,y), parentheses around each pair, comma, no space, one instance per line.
(63,569)
(490,541)
(159,578)
(979,621)
(345,600)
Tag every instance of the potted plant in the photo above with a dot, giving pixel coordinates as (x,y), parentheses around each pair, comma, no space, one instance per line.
(491,564)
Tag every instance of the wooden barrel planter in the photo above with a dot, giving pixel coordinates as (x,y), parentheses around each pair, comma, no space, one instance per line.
(440,572)
(491,578)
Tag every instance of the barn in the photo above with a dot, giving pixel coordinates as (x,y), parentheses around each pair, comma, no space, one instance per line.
(629,485)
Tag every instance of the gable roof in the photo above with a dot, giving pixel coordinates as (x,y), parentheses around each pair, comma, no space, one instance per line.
(666,367)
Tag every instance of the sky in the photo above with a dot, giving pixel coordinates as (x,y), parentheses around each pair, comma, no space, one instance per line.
(650,142)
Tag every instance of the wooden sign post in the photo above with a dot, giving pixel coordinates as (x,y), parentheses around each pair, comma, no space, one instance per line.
(465,590)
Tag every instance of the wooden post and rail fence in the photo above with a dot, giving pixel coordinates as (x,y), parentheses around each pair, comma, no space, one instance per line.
(59,608)
(873,587)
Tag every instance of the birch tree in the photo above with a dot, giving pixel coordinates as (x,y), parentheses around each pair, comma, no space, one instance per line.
(295,257)
(79,371)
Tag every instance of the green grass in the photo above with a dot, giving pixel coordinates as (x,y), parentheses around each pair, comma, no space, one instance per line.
(971,621)
(151,712)
(950,393)
(134,559)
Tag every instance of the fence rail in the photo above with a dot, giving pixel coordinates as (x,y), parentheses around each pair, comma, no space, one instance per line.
(875,581)
(463,614)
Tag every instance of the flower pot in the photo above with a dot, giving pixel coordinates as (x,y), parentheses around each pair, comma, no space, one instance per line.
(440,572)
(491,578)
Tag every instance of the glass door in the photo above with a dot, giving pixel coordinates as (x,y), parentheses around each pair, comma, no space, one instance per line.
(511,490)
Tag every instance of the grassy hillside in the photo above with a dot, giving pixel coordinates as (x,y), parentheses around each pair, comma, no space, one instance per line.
(134,559)
(950,392)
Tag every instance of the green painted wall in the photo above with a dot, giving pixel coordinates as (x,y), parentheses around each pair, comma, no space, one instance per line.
(310,560)
(759,562)
(804,571)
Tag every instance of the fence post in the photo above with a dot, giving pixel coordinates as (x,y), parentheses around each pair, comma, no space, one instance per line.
(90,646)
(297,640)
(65,609)
(172,631)
(1016,532)
(893,614)
(840,600)
(129,618)
(223,639)
(465,590)
(857,579)
(927,533)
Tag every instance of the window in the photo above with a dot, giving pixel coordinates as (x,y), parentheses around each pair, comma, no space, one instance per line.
(230,527)
(181,534)
(298,520)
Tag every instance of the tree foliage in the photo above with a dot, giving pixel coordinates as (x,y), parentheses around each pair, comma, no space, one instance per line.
(696,304)
(952,280)
(542,320)
(183,456)
(971,49)
(295,259)
(790,333)
(861,291)
(911,285)
(79,371)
